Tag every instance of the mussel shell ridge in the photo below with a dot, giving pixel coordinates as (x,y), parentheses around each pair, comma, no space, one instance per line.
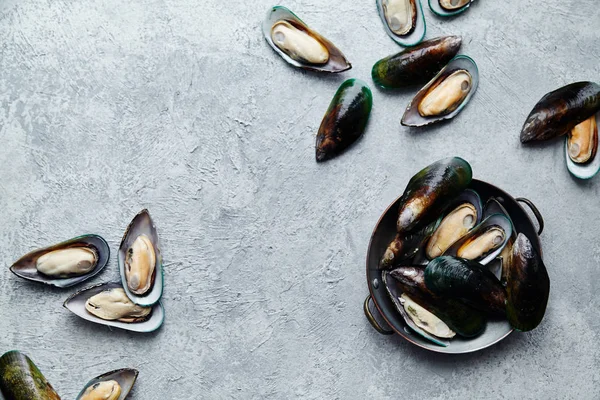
(76,304)
(436,8)
(126,378)
(412,117)
(20,379)
(589,169)
(337,61)
(25,267)
(415,36)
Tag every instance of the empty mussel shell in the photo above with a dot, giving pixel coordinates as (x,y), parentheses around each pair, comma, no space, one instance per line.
(113,385)
(581,148)
(20,379)
(559,111)
(447,8)
(345,120)
(403,20)
(140,261)
(78,301)
(64,264)
(299,45)
(445,95)
(416,65)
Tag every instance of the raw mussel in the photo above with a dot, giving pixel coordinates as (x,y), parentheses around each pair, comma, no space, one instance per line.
(558,112)
(445,95)
(464,214)
(581,147)
(485,242)
(403,20)
(431,191)
(345,120)
(114,385)
(528,286)
(64,264)
(447,8)
(406,246)
(107,304)
(20,379)
(140,261)
(416,65)
(499,266)
(461,318)
(299,45)
(467,281)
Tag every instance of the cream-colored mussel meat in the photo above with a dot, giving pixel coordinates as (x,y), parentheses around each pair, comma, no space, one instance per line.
(480,245)
(114,305)
(445,96)
(107,390)
(452,5)
(583,141)
(73,261)
(400,15)
(454,226)
(425,319)
(299,44)
(140,263)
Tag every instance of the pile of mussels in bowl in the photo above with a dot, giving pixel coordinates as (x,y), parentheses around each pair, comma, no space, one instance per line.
(454,264)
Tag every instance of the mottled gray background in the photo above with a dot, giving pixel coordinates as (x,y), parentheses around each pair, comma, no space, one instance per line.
(180,106)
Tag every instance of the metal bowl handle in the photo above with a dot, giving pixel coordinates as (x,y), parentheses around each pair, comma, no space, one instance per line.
(535,211)
(372,320)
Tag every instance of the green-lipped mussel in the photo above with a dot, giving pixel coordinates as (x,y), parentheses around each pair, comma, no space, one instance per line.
(113,385)
(445,95)
(299,45)
(467,281)
(528,286)
(406,246)
(20,379)
(427,194)
(106,304)
(581,148)
(493,206)
(403,20)
(64,264)
(140,261)
(345,120)
(447,8)
(416,65)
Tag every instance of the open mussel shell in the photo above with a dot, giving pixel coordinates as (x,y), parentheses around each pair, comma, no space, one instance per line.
(448,8)
(396,294)
(336,61)
(559,111)
(76,304)
(125,378)
(460,66)
(20,379)
(589,168)
(142,224)
(417,30)
(500,264)
(26,266)
(415,65)
(485,242)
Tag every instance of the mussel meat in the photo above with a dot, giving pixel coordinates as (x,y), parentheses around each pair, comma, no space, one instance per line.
(477,246)
(345,120)
(20,379)
(113,385)
(74,261)
(583,141)
(425,319)
(299,44)
(140,263)
(454,226)
(106,390)
(400,15)
(113,304)
(452,5)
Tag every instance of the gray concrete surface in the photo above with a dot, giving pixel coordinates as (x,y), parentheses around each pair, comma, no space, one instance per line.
(180,106)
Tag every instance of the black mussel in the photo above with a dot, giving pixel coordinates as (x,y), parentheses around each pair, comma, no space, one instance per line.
(403,20)
(20,379)
(404,247)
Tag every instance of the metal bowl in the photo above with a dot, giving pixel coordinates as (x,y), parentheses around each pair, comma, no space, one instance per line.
(384,232)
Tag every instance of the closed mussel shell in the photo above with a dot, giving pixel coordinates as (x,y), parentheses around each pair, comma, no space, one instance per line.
(299,45)
(528,286)
(345,120)
(406,246)
(64,264)
(113,385)
(445,95)
(416,65)
(448,8)
(559,111)
(403,20)
(20,379)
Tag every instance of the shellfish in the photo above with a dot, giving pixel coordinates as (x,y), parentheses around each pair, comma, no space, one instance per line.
(113,385)
(20,379)
(403,20)
(447,8)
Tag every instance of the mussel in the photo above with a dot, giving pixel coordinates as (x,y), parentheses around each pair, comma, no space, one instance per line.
(493,206)
(345,120)
(446,8)
(299,45)
(106,304)
(581,147)
(64,264)
(406,246)
(20,379)
(416,65)
(403,20)
(467,281)
(528,286)
(445,95)
(430,192)
(140,261)
(558,112)
(113,385)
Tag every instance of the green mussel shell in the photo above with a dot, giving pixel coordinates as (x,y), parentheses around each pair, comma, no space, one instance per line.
(20,379)
(345,120)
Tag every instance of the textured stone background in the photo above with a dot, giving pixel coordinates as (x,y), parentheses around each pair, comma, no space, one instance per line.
(180,106)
